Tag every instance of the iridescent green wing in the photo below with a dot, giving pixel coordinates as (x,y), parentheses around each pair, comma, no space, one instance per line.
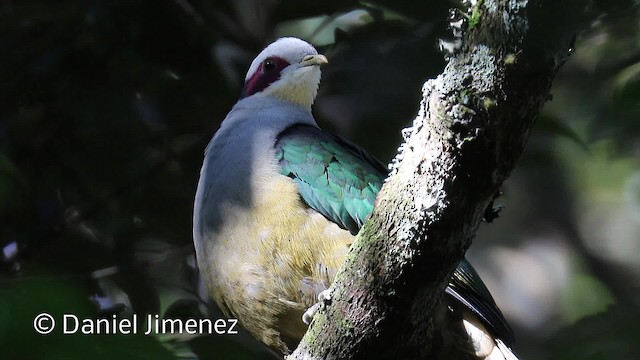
(334,177)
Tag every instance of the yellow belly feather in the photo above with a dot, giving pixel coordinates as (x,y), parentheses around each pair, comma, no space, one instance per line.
(268,265)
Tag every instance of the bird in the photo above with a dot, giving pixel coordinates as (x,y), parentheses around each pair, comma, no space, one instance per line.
(279,202)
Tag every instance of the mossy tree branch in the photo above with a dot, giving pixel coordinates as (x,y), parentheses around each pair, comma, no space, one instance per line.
(472,127)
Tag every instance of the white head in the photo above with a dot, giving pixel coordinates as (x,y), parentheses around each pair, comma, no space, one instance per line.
(289,68)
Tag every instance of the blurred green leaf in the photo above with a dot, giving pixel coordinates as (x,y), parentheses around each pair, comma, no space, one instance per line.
(612,334)
(22,299)
(586,296)
(552,125)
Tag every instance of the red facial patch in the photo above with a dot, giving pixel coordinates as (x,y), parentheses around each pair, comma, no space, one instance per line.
(268,72)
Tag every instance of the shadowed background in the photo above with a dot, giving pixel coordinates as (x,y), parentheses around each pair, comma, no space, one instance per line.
(106,107)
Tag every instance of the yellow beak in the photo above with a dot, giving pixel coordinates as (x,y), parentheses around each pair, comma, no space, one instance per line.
(310,60)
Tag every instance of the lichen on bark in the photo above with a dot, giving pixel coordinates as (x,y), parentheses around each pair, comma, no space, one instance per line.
(471,128)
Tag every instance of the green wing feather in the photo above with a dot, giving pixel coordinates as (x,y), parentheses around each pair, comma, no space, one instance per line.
(334,177)
(341,181)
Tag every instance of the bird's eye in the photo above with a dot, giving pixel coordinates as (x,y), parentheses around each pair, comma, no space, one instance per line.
(269,65)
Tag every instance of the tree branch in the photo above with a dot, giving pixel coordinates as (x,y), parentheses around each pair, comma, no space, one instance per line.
(470,130)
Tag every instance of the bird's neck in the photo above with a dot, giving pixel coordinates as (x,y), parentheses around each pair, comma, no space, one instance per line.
(243,147)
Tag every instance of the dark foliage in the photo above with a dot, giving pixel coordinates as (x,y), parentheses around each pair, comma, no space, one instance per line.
(106,108)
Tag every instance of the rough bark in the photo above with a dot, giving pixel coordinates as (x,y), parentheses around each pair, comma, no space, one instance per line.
(471,129)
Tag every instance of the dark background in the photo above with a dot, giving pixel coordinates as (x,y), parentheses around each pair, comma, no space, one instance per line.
(106,107)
